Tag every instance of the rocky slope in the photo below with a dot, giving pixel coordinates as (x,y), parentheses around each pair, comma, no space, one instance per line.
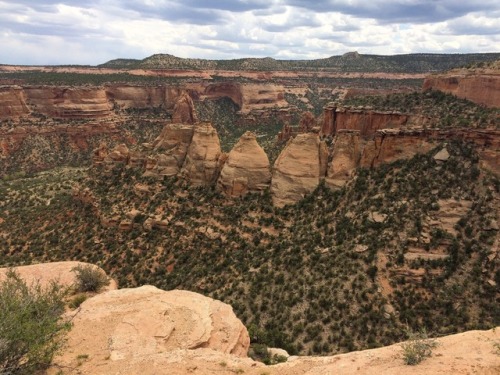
(146,330)
(46,273)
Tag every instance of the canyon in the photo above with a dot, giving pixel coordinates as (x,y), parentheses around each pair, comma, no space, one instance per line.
(333,235)
(145,329)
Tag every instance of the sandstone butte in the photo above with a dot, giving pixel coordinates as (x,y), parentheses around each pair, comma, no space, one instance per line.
(298,169)
(246,169)
(146,331)
(345,158)
(201,166)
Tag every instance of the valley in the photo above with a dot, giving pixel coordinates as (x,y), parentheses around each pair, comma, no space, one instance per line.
(333,210)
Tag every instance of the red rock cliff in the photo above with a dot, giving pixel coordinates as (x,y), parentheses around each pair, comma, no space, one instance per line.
(12,102)
(483,88)
(367,122)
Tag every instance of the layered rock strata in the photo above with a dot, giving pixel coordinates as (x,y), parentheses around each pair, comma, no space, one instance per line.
(12,102)
(366,121)
(246,169)
(481,88)
(298,169)
(69,102)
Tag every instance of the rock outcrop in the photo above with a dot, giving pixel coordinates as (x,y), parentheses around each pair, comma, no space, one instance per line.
(130,330)
(131,96)
(298,169)
(389,145)
(119,154)
(172,146)
(481,88)
(69,102)
(184,111)
(12,102)
(345,158)
(201,165)
(46,273)
(366,121)
(246,169)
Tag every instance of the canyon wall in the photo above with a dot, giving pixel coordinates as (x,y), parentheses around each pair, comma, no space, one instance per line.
(481,88)
(12,102)
(366,121)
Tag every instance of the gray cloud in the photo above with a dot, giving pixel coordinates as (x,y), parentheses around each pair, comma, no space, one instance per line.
(72,31)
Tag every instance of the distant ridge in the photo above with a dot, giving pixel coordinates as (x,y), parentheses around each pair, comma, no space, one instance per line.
(349,62)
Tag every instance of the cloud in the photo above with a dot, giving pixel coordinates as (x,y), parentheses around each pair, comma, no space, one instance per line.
(94,31)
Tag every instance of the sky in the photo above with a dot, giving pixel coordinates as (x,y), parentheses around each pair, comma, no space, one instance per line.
(38,32)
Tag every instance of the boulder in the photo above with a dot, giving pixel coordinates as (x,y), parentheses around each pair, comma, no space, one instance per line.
(201,166)
(298,169)
(129,330)
(247,168)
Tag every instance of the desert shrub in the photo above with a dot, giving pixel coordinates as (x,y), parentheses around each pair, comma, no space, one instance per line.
(417,348)
(31,327)
(89,278)
(77,300)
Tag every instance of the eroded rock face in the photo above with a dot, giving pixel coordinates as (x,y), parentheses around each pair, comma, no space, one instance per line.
(391,145)
(141,324)
(119,154)
(345,158)
(247,168)
(367,122)
(184,111)
(12,102)
(298,169)
(483,88)
(201,166)
(69,102)
(172,146)
(130,96)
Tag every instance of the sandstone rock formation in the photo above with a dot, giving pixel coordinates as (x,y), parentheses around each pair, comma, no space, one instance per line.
(131,96)
(298,169)
(184,112)
(246,169)
(172,145)
(201,165)
(12,102)
(45,273)
(69,102)
(345,158)
(481,88)
(133,330)
(390,145)
(119,154)
(366,121)
(307,122)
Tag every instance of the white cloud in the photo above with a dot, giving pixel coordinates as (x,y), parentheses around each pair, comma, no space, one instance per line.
(70,32)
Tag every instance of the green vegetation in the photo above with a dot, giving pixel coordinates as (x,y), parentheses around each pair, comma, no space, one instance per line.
(31,327)
(418,347)
(349,62)
(294,275)
(445,110)
(89,278)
